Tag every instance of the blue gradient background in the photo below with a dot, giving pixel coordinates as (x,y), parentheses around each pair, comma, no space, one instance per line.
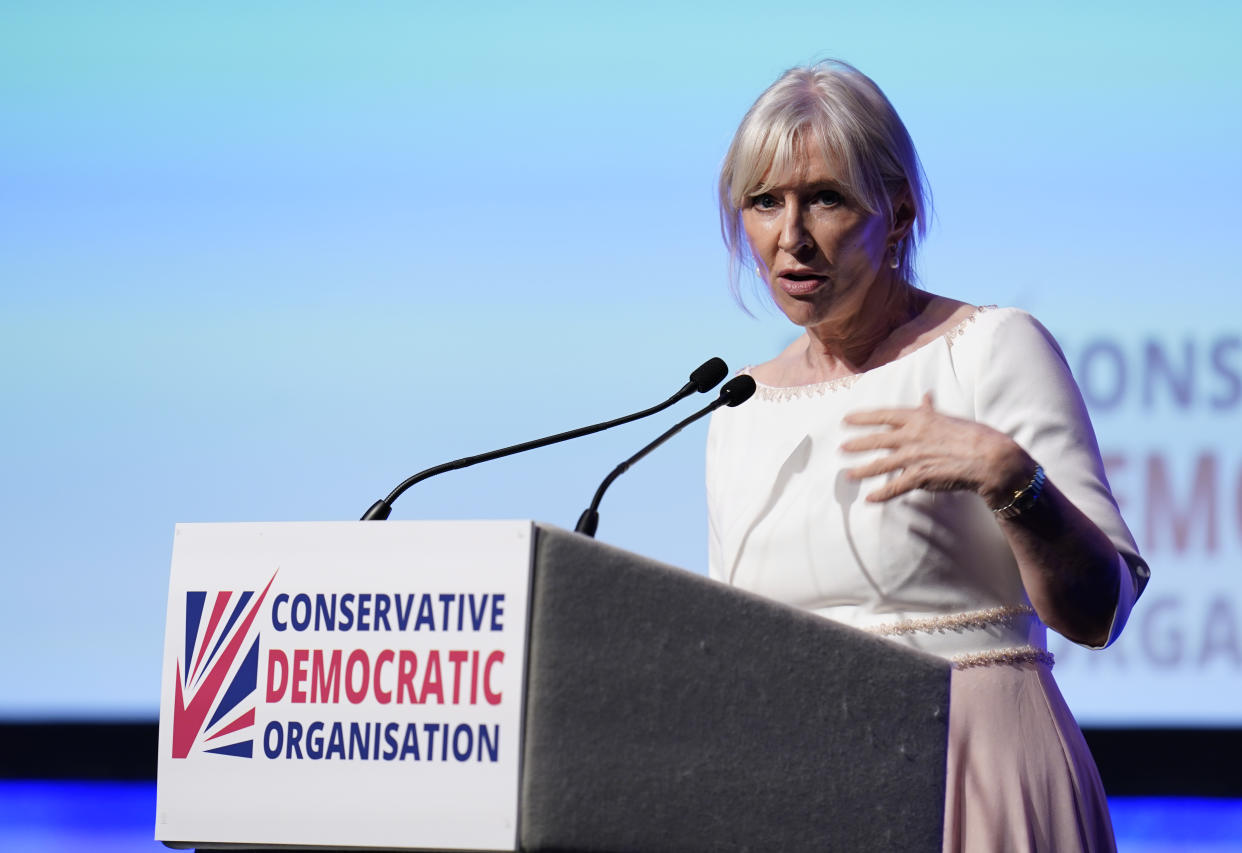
(260,261)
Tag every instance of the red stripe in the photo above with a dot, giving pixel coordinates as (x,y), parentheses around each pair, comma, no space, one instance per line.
(245,721)
(222,601)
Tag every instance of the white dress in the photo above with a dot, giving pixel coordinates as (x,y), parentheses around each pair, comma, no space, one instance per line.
(932,570)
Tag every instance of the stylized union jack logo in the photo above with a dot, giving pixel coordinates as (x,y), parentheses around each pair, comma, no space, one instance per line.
(219,680)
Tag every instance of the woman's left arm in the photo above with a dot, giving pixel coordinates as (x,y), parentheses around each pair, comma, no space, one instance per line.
(1079,564)
(1069,567)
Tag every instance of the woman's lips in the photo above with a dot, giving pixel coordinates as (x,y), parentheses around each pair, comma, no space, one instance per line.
(800,284)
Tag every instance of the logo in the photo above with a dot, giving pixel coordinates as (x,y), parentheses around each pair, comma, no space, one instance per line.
(216,680)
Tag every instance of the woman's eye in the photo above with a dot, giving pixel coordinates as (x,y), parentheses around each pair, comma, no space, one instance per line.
(763,201)
(829,198)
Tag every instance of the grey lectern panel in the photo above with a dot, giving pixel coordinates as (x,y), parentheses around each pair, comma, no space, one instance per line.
(666,712)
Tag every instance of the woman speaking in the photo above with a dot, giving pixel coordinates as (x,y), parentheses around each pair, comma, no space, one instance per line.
(914,466)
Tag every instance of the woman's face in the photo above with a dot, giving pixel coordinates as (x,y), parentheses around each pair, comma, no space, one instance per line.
(820,252)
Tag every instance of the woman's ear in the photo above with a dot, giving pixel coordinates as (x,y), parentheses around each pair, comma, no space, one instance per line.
(903,217)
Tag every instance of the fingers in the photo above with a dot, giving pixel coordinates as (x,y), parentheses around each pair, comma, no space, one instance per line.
(878,467)
(890,417)
(879,417)
(909,481)
(893,488)
(873,441)
(915,441)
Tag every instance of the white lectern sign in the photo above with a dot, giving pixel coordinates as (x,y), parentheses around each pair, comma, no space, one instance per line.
(355,684)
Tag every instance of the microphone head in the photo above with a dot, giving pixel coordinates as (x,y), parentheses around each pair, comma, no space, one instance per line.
(737,390)
(708,374)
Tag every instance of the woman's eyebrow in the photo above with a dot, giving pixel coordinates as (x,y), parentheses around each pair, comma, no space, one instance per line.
(807,188)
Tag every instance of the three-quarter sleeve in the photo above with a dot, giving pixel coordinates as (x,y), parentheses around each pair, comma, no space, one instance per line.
(1023,387)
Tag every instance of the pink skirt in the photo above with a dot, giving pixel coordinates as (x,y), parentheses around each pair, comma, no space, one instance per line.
(1020,776)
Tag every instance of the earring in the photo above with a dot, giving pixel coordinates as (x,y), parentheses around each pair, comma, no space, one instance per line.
(895,262)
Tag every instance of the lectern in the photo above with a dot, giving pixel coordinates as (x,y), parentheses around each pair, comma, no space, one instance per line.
(627,705)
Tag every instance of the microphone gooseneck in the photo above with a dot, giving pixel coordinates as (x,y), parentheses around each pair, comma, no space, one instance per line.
(735,392)
(705,377)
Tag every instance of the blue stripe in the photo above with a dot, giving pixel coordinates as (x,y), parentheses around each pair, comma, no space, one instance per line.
(193,615)
(243,684)
(241,749)
(240,606)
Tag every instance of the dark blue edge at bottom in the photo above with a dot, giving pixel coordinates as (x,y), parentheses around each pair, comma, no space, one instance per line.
(1133,762)
(62,815)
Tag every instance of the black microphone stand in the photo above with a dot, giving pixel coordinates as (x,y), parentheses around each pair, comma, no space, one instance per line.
(735,392)
(704,378)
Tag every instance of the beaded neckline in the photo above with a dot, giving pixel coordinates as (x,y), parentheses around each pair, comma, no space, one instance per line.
(782,393)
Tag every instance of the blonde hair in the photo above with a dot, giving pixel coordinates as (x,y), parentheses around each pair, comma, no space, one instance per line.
(841,112)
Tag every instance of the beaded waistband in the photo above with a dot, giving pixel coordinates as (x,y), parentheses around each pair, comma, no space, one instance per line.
(972,620)
(954,621)
(1001,657)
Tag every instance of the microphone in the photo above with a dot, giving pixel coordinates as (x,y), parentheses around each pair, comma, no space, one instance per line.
(704,378)
(734,393)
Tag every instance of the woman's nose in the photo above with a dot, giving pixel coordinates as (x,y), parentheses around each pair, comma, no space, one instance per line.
(794,237)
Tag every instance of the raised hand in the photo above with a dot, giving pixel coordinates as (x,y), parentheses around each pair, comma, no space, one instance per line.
(938,453)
